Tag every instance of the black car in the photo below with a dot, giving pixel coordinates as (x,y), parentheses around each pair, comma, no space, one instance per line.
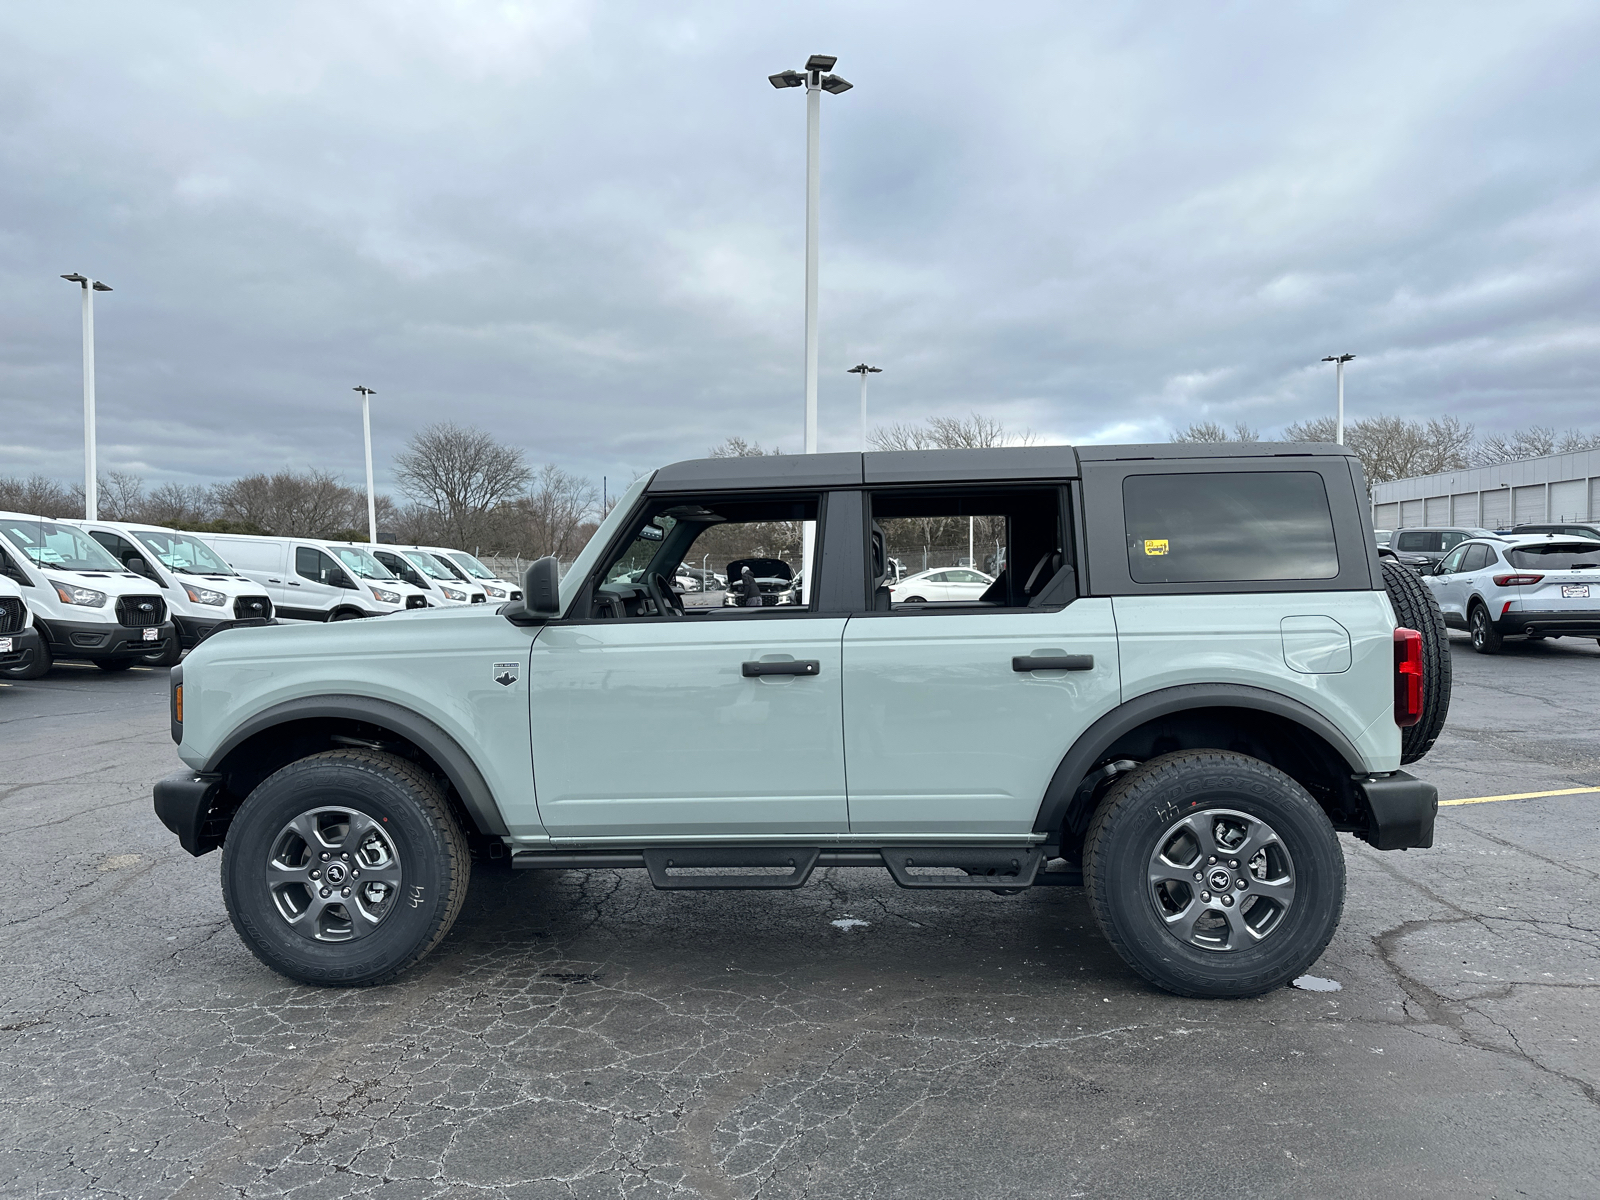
(1422,548)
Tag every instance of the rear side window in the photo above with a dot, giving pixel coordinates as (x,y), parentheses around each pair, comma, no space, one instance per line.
(1417,543)
(1229,526)
(1554,558)
(1477,558)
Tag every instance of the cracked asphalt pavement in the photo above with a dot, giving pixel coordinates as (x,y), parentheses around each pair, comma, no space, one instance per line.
(581,1035)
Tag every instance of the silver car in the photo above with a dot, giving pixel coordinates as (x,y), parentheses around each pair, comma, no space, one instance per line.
(1535,585)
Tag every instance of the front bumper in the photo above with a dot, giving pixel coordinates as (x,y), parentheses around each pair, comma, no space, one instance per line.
(1554,622)
(194,807)
(25,647)
(1403,808)
(101,639)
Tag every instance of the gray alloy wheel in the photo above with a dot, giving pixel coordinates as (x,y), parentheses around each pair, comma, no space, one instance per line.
(1485,637)
(1221,879)
(333,874)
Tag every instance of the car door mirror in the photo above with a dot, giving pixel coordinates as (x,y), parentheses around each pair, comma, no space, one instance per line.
(541,595)
(138,566)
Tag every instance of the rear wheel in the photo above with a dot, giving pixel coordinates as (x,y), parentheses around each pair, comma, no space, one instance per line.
(1213,874)
(1415,608)
(344,868)
(1486,638)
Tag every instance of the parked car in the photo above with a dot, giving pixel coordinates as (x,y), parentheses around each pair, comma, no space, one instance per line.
(1383,536)
(85,604)
(202,592)
(942,584)
(1190,683)
(1532,585)
(427,574)
(1570,529)
(312,580)
(1421,549)
(761,582)
(472,571)
(20,644)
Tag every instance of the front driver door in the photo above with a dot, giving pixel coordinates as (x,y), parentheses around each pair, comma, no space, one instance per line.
(720,723)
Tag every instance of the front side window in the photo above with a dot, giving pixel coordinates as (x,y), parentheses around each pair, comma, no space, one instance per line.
(1229,526)
(471,566)
(311,563)
(1558,557)
(363,564)
(1453,562)
(47,544)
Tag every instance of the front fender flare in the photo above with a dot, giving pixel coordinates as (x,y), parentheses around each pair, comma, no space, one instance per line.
(434,741)
(1125,718)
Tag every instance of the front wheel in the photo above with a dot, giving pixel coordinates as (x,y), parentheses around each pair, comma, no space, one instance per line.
(1213,874)
(344,868)
(37,669)
(1486,638)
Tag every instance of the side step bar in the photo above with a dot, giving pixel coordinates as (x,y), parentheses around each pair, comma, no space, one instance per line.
(713,868)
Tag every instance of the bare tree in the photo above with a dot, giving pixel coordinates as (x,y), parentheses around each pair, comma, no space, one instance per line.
(38,496)
(1394,447)
(1536,441)
(948,433)
(462,475)
(122,497)
(554,511)
(735,446)
(1210,431)
(292,504)
(177,505)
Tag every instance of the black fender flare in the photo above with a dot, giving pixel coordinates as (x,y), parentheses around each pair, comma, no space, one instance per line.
(434,741)
(1128,716)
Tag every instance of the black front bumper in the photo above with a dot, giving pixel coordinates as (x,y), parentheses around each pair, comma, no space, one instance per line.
(194,630)
(194,807)
(1403,808)
(99,639)
(25,647)
(1553,623)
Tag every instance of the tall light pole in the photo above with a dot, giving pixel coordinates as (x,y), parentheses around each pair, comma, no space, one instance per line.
(366,429)
(815,83)
(863,370)
(1338,361)
(91,468)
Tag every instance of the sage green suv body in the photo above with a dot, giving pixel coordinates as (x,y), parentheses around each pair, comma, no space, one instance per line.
(1160,612)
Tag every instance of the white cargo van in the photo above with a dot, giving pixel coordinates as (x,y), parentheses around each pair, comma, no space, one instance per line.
(20,645)
(201,591)
(84,603)
(444,586)
(312,580)
(472,571)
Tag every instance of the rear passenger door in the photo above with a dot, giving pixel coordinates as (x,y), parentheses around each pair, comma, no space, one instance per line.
(957,712)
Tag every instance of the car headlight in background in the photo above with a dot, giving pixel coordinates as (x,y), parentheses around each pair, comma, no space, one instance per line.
(451,593)
(202,595)
(495,593)
(87,597)
(383,597)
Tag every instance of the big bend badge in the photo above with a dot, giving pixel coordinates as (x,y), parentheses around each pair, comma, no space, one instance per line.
(505,674)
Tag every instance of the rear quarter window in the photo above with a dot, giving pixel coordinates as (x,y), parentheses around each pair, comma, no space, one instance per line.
(1229,526)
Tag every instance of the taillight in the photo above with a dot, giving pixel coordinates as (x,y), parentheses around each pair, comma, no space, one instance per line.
(1407,677)
(1515,580)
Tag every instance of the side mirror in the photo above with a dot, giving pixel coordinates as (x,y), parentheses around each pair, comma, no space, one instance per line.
(138,566)
(541,595)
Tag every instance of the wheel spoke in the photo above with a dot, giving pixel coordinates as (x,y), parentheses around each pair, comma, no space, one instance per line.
(306,826)
(389,874)
(1182,923)
(1239,931)
(1199,827)
(306,920)
(1258,838)
(356,833)
(361,922)
(1279,890)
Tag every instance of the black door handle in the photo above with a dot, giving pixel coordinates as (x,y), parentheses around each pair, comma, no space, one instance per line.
(799,666)
(1053,662)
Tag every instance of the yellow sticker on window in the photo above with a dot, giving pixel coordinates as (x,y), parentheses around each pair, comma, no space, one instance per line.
(1155,545)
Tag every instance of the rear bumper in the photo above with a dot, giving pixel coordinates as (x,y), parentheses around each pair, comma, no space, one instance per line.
(1553,622)
(1403,808)
(100,639)
(190,804)
(25,647)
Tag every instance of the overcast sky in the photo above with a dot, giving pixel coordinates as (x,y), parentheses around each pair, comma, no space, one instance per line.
(581,225)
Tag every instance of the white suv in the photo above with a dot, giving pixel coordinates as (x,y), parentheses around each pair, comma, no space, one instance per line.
(312,580)
(84,603)
(1538,585)
(202,592)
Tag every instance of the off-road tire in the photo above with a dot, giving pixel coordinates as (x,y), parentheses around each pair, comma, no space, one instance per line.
(1486,638)
(1415,608)
(430,847)
(1129,825)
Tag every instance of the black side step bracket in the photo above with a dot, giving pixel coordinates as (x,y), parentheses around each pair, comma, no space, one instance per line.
(662,861)
(963,866)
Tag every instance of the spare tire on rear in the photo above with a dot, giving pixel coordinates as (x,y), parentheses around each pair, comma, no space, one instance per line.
(1415,608)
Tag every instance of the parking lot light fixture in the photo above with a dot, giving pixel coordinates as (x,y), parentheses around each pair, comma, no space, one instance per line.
(1338,361)
(863,370)
(91,470)
(366,430)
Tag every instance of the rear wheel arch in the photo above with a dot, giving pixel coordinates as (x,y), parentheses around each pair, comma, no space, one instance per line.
(296,729)
(1278,730)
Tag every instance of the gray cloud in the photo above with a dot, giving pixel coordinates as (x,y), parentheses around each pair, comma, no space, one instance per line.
(580,224)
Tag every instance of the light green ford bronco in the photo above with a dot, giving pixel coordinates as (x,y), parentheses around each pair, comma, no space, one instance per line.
(1189,671)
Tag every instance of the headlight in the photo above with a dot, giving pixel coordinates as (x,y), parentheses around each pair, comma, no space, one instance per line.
(451,593)
(204,595)
(495,593)
(87,597)
(384,597)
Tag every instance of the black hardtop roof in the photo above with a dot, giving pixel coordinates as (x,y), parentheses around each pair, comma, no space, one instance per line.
(997,464)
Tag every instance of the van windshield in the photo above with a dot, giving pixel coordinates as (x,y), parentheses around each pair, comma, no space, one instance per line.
(429,565)
(180,552)
(47,544)
(472,566)
(362,563)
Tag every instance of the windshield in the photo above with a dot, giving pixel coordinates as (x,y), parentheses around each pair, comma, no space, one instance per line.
(429,565)
(180,552)
(61,546)
(1567,557)
(362,563)
(472,566)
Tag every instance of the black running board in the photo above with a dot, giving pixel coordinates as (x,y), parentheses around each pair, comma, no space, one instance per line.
(716,868)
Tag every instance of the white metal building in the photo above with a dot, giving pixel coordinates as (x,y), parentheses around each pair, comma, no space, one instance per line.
(1558,487)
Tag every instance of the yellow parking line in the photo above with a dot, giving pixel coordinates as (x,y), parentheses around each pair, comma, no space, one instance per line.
(1519,796)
